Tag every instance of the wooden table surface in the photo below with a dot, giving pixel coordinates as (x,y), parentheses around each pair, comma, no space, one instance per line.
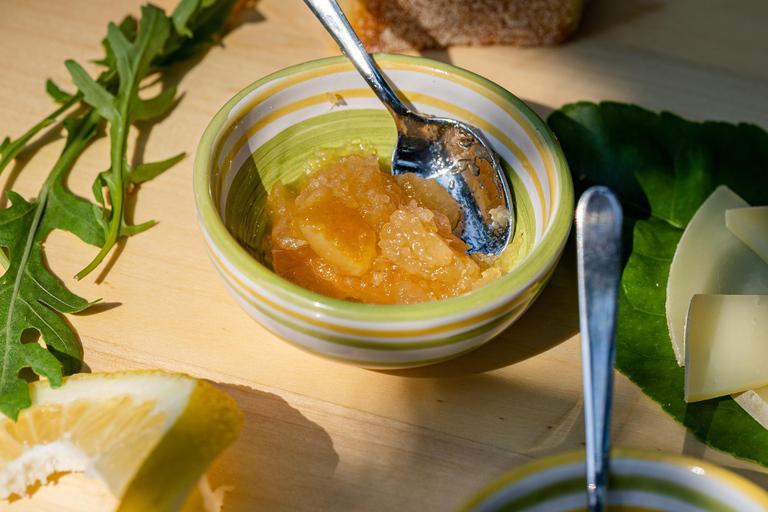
(318,435)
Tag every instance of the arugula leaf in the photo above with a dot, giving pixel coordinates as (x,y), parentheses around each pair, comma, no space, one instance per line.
(181,17)
(10,149)
(108,78)
(197,24)
(207,23)
(662,168)
(57,94)
(29,295)
(65,210)
(145,172)
(133,61)
(155,44)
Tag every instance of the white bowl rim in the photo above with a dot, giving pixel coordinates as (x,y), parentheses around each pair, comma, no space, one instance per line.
(683,462)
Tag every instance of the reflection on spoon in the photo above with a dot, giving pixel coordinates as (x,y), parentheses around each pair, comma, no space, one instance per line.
(445,150)
(598,256)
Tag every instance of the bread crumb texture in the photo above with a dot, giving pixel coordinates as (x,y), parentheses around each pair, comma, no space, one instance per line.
(395,25)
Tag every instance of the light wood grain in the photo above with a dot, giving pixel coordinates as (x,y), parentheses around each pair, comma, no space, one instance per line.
(320,436)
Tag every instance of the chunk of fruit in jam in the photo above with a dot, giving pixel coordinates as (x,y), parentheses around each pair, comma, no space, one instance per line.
(336,232)
(352,233)
(430,194)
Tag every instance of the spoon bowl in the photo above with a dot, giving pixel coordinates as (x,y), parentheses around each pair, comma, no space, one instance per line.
(454,155)
(445,150)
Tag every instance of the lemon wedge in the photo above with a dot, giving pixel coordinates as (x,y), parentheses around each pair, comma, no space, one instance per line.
(148,435)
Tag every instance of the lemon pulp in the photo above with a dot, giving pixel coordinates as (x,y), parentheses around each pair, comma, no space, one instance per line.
(148,435)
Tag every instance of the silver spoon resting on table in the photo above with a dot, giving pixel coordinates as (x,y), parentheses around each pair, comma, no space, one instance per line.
(448,151)
(598,256)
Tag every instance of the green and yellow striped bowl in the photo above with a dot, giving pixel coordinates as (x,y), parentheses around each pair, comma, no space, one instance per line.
(269,129)
(640,481)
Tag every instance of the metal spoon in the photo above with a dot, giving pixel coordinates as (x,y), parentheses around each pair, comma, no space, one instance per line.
(450,152)
(598,253)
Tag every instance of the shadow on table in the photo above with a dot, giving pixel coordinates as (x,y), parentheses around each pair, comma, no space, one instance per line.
(541,110)
(279,458)
(756,477)
(460,412)
(693,447)
(552,319)
(521,417)
(603,15)
(438,55)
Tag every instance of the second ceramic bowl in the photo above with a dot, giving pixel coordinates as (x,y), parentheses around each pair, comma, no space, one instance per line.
(640,481)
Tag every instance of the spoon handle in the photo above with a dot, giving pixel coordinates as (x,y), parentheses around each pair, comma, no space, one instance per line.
(598,239)
(330,15)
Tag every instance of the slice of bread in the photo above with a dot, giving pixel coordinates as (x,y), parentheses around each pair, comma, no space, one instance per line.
(394,25)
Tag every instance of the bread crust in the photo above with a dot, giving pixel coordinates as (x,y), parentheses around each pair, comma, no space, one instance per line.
(395,25)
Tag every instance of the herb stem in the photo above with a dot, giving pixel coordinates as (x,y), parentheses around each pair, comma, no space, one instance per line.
(118,134)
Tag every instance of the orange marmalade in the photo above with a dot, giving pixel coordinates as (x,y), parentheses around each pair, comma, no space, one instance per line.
(356,233)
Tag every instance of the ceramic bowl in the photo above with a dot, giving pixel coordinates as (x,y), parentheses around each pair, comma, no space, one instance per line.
(268,130)
(640,481)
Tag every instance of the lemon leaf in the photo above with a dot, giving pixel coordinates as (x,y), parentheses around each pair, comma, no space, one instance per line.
(663,167)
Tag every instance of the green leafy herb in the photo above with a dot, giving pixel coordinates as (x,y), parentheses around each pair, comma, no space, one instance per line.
(206,19)
(662,168)
(133,60)
(207,22)
(31,298)
(29,294)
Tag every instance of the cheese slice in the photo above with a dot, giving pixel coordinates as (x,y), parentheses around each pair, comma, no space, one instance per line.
(755,402)
(710,260)
(751,226)
(727,346)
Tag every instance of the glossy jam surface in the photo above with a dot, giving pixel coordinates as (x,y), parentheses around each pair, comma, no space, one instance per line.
(356,233)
